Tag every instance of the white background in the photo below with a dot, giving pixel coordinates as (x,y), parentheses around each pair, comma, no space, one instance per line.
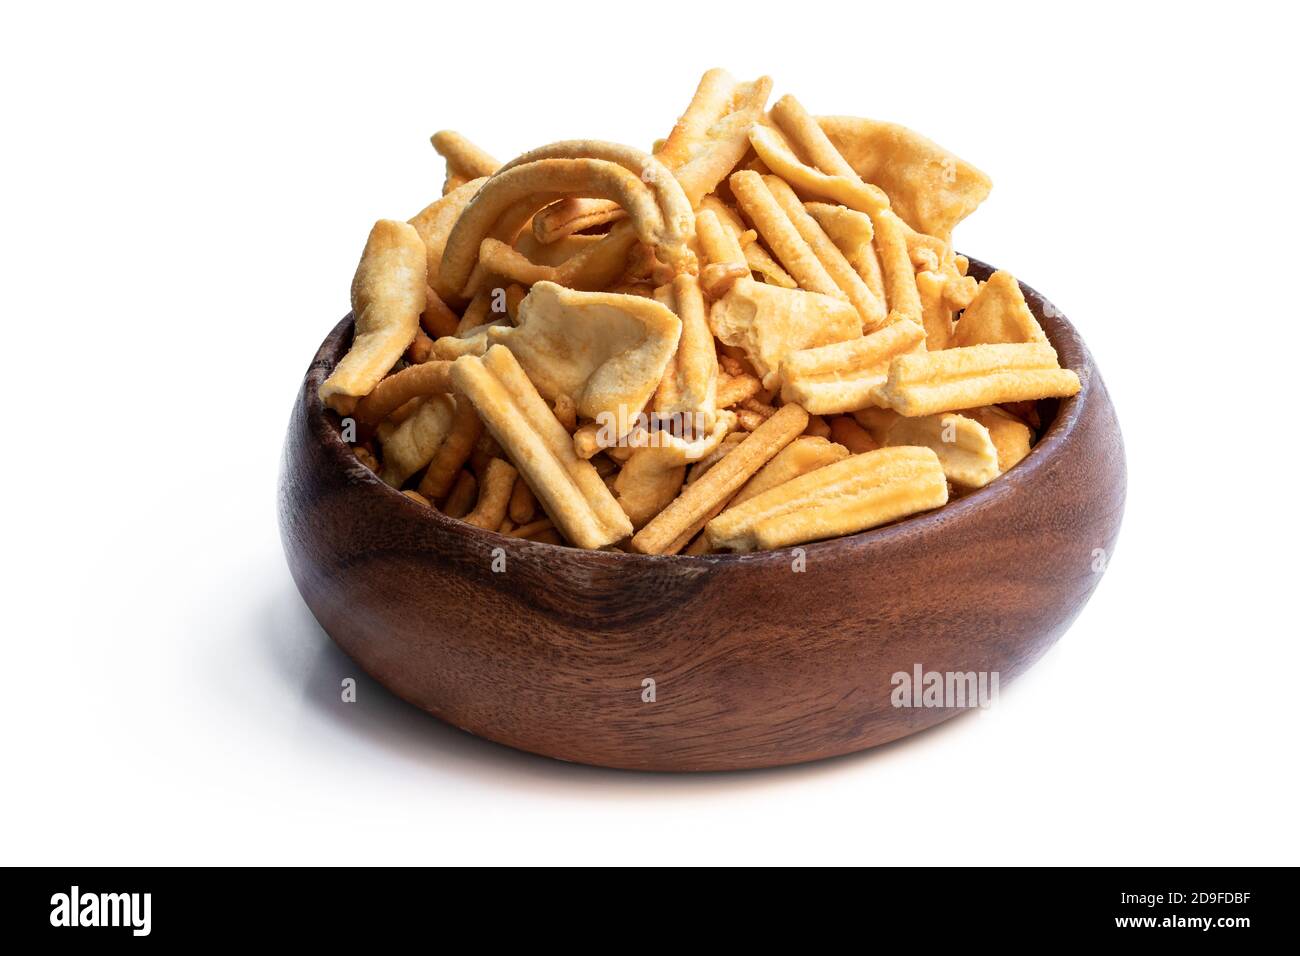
(185,195)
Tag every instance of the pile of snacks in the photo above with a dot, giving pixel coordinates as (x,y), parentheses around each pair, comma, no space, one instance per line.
(757,335)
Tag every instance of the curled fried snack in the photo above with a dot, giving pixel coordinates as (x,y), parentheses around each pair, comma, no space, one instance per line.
(720,482)
(414,381)
(859,492)
(493,495)
(605,351)
(930,382)
(387,299)
(965,449)
(465,161)
(929,187)
(770,322)
(998,314)
(840,377)
(567,487)
(411,445)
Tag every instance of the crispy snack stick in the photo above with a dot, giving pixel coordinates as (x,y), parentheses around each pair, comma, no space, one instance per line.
(930,382)
(782,160)
(851,435)
(998,314)
(845,277)
(532,529)
(901,294)
(965,449)
(463,493)
(689,386)
(411,445)
(734,389)
(523,505)
(936,316)
(493,496)
(876,421)
(840,377)
(755,197)
(414,381)
(756,257)
(801,456)
(387,299)
(852,233)
(860,492)
(465,161)
(720,481)
(567,487)
(452,454)
(1011,436)
(437,319)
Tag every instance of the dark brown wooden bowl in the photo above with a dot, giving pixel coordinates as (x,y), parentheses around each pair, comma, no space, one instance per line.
(754,664)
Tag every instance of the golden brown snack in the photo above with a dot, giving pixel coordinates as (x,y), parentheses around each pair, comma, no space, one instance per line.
(605,351)
(846,497)
(847,432)
(414,381)
(760,207)
(689,386)
(462,497)
(901,294)
(756,257)
(567,487)
(923,384)
(998,314)
(779,156)
(523,504)
(452,453)
(387,299)
(465,161)
(801,456)
(1011,437)
(720,481)
(965,449)
(840,377)
(435,221)
(411,445)
(493,496)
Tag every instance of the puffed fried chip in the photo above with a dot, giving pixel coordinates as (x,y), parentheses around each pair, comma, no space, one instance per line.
(665,532)
(859,492)
(770,322)
(840,377)
(568,488)
(998,314)
(929,187)
(387,299)
(411,445)
(965,448)
(930,382)
(605,351)
(1010,435)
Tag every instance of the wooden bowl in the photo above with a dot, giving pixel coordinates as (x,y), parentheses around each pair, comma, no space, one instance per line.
(754,664)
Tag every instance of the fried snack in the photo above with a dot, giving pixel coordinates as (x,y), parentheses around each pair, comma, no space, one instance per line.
(452,453)
(493,495)
(593,267)
(734,389)
(1010,436)
(387,299)
(411,445)
(801,456)
(414,381)
(929,187)
(846,497)
(420,349)
(965,449)
(876,421)
(366,457)
(523,504)
(817,427)
(756,257)
(840,377)
(417,497)
(720,245)
(435,221)
(851,435)
(923,384)
(566,412)
(463,494)
(659,211)
(770,322)
(901,294)
(689,386)
(605,351)
(936,316)
(465,161)
(778,155)
(853,234)
(720,481)
(437,319)
(833,261)
(998,314)
(646,484)
(567,487)
(760,207)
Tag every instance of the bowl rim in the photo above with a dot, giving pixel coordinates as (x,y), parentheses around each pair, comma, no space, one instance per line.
(1062,335)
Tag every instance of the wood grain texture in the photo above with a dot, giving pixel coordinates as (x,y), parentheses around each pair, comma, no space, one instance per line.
(754,664)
